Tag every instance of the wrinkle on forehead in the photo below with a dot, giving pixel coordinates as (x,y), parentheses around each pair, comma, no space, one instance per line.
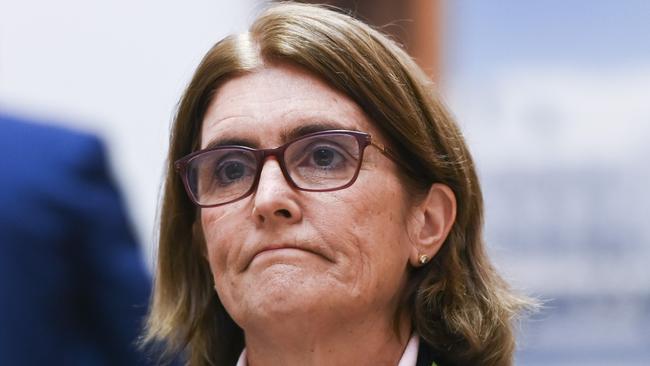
(275,100)
(282,109)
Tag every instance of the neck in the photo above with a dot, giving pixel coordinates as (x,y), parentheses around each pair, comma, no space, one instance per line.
(371,342)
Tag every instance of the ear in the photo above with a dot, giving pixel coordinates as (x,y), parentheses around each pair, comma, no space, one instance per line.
(432,221)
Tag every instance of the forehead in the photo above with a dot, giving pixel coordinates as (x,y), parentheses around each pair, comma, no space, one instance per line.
(265,107)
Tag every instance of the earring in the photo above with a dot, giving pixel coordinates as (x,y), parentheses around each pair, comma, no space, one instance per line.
(424,259)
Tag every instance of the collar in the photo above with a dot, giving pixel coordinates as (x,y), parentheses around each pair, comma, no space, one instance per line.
(409,357)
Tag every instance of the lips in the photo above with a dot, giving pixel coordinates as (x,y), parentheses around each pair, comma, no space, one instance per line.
(277,247)
(262,249)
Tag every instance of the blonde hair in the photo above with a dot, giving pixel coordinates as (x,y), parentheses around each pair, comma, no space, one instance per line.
(460,306)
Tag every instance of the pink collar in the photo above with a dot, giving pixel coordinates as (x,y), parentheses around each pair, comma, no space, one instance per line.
(409,357)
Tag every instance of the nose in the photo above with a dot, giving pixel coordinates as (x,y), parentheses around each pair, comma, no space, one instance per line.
(275,200)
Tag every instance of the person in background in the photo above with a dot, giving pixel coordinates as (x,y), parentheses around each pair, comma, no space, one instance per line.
(73,287)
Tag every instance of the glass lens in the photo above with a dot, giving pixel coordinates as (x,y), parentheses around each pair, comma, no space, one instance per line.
(222,175)
(323,161)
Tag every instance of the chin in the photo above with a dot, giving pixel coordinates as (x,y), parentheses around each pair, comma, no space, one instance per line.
(283,292)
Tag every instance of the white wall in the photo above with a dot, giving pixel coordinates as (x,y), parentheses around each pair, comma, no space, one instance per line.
(116,68)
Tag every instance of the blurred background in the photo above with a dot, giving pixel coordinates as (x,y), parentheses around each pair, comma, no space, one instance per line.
(553,97)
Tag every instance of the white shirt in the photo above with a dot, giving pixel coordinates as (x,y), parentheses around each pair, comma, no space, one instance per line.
(409,357)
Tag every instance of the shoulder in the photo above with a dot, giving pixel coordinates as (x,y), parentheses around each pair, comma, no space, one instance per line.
(46,169)
(25,135)
(35,148)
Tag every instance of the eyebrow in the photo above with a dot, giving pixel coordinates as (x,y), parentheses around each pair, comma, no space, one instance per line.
(313,127)
(290,135)
(230,141)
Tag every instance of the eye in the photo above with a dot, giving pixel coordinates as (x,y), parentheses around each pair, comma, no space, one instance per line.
(331,158)
(323,157)
(233,170)
(230,170)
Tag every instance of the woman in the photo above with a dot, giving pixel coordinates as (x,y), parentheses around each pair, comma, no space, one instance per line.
(321,208)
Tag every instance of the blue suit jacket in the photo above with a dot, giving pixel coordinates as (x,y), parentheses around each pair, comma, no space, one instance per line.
(73,289)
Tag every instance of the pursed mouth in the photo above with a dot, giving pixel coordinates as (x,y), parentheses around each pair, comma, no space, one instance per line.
(283,247)
(277,248)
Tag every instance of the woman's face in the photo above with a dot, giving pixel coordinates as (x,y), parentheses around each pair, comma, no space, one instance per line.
(282,253)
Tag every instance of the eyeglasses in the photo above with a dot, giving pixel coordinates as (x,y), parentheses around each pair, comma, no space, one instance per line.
(318,162)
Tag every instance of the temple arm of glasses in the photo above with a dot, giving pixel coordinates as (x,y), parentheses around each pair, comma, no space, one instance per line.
(392,156)
(387,152)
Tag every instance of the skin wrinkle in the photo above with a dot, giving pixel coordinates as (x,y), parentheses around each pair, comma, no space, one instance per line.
(213,221)
(361,245)
(460,305)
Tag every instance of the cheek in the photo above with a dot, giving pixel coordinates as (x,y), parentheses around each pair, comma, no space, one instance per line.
(378,209)
(217,233)
(368,224)
(380,233)
(223,231)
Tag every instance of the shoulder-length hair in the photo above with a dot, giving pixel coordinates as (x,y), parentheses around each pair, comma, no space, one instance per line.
(459,305)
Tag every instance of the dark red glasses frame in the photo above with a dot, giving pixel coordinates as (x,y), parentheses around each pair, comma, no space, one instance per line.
(363,139)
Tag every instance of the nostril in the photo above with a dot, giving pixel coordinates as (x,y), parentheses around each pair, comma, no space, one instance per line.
(284,213)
